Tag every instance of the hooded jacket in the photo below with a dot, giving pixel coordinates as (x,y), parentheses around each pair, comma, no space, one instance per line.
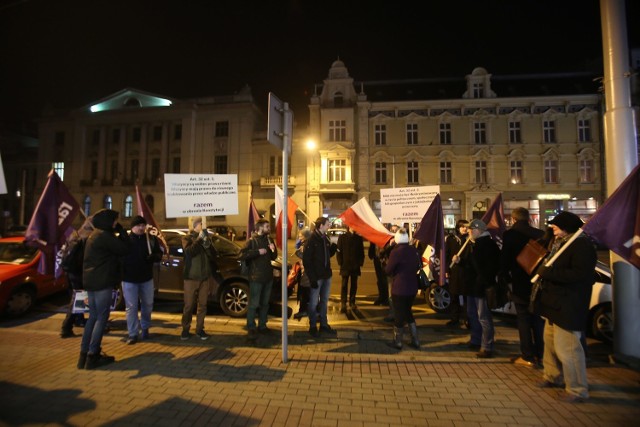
(138,263)
(260,269)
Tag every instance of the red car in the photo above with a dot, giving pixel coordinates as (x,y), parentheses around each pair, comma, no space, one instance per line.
(20,283)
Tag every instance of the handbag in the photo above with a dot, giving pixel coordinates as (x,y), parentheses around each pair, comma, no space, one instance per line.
(531,256)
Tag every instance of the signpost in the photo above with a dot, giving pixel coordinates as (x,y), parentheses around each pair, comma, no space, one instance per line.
(279,133)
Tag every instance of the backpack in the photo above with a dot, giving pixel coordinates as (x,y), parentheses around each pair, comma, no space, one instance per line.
(73,258)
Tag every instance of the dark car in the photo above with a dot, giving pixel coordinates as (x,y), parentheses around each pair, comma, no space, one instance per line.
(223,230)
(20,283)
(232,294)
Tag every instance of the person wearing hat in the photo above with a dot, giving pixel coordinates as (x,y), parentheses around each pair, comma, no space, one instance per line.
(564,303)
(402,265)
(137,283)
(480,262)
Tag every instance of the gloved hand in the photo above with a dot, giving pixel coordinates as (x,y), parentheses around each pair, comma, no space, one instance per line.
(314,284)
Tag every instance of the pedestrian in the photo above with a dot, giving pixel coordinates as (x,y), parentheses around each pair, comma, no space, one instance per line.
(199,269)
(384,254)
(304,289)
(350,256)
(564,303)
(381,276)
(137,285)
(102,273)
(404,262)
(530,325)
(453,244)
(316,260)
(480,261)
(258,253)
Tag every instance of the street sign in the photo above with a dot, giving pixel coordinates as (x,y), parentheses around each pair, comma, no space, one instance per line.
(275,134)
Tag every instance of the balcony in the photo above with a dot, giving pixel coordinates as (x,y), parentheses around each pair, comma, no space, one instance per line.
(337,187)
(272,181)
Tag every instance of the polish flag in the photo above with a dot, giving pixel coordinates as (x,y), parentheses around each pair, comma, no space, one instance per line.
(363,221)
(292,207)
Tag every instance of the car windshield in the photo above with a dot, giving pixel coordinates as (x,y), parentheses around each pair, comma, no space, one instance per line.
(16,253)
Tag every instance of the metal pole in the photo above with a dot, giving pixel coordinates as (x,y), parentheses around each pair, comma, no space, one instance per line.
(621,157)
(286,148)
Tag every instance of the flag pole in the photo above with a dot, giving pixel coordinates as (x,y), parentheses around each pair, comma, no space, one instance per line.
(460,251)
(560,251)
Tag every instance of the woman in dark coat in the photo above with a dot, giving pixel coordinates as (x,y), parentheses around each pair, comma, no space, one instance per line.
(453,244)
(403,265)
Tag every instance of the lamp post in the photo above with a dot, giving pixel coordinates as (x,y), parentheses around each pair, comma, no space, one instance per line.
(311,149)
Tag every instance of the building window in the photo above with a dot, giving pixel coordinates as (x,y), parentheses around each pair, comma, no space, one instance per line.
(275,166)
(551,171)
(480,133)
(128,206)
(584,130)
(220,165)
(478,89)
(107,202)
(115,136)
(380,133)
(155,169)
(445,172)
(59,140)
(94,170)
(177,132)
(222,129)
(338,100)
(95,140)
(157,133)
(58,167)
(176,165)
(134,169)
(412,172)
(86,205)
(445,133)
(412,134)
(114,169)
(381,172)
(337,130)
(337,170)
(549,131)
(481,172)
(515,134)
(516,171)
(586,171)
(136,134)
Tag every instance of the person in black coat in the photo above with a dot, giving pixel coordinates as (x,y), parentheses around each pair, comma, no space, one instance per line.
(381,276)
(350,256)
(453,243)
(564,302)
(530,325)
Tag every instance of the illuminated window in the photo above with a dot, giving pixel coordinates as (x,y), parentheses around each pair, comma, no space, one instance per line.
(516,171)
(445,133)
(515,134)
(380,133)
(412,172)
(107,202)
(551,171)
(480,133)
(481,172)
(128,206)
(381,172)
(549,131)
(337,170)
(337,130)
(445,172)
(412,134)
(586,171)
(584,130)
(58,167)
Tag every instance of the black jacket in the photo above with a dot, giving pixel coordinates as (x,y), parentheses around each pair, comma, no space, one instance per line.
(567,285)
(138,263)
(350,253)
(316,256)
(513,240)
(480,261)
(260,269)
(452,245)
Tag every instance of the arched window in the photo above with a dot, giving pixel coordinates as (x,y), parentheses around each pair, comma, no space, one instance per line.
(128,206)
(132,102)
(86,205)
(107,202)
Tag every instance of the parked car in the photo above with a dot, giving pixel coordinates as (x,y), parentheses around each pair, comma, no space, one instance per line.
(224,231)
(16,231)
(600,321)
(20,283)
(232,294)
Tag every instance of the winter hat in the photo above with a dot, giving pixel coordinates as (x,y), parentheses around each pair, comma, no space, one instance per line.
(567,221)
(137,220)
(104,219)
(401,236)
(478,224)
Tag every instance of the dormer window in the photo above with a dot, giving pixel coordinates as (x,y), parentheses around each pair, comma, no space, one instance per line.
(478,89)
(338,100)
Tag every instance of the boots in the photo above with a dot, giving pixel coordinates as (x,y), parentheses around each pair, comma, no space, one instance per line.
(82,360)
(98,360)
(397,338)
(414,336)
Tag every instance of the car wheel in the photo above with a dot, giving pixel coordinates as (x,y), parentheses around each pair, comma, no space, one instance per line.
(20,301)
(234,299)
(439,298)
(602,323)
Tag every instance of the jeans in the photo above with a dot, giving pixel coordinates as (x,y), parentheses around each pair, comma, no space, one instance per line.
(531,332)
(345,289)
(259,295)
(564,360)
(480,322)
(195,289)
(99,309)
(402,308)
(134,292)
(319,295)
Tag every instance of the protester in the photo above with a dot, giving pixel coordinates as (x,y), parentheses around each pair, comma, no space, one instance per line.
(258,252)
(480,261)
(530,325)
(316,260)
(384,257)
(403,263)
(102,272)
(453,244)
(564,303)
(304,289)
(199,269)
(381,276)
(350,256)
(137,285)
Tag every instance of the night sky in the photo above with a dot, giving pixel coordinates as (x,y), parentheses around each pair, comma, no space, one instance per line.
(67,53)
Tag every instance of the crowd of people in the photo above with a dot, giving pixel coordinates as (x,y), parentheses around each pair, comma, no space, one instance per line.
(551,313)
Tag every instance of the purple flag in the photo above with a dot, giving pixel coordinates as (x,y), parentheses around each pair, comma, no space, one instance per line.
(431,233)
(254,216)
(50,224)
(494,218)
(616,224)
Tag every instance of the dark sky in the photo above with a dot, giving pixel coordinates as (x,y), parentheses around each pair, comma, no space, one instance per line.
(67,53)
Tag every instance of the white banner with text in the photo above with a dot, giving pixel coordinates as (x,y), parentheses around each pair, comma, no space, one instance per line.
(407,204)
(200,195)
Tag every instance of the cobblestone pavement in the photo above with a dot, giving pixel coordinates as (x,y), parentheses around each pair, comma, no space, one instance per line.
(352,379)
